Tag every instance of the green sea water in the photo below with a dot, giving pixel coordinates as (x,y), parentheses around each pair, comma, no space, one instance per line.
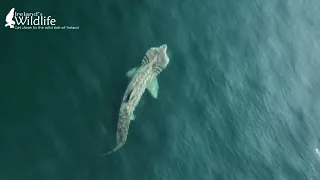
(239,99)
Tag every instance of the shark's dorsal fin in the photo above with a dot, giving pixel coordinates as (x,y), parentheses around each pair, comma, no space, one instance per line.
(150,54)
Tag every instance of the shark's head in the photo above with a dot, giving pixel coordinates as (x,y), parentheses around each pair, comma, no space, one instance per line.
(157,58)
(163,59)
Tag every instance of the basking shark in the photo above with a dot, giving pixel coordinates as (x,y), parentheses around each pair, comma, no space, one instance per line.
(142,78)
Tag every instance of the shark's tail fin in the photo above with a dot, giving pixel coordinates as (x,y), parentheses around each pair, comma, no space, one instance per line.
(113,150)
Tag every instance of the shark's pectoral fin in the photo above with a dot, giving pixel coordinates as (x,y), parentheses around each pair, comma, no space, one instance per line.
(153,88)
(131,72)
(133,117)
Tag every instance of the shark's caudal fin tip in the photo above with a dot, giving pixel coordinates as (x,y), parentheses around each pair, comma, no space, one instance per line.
(113,150)
(107,153)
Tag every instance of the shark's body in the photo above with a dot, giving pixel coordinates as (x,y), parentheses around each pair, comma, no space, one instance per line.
(9,19)
(144,77)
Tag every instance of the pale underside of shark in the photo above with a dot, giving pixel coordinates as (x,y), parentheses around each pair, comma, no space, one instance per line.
(142,78)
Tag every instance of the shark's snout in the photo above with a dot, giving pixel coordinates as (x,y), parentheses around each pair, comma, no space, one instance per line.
(163,48)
